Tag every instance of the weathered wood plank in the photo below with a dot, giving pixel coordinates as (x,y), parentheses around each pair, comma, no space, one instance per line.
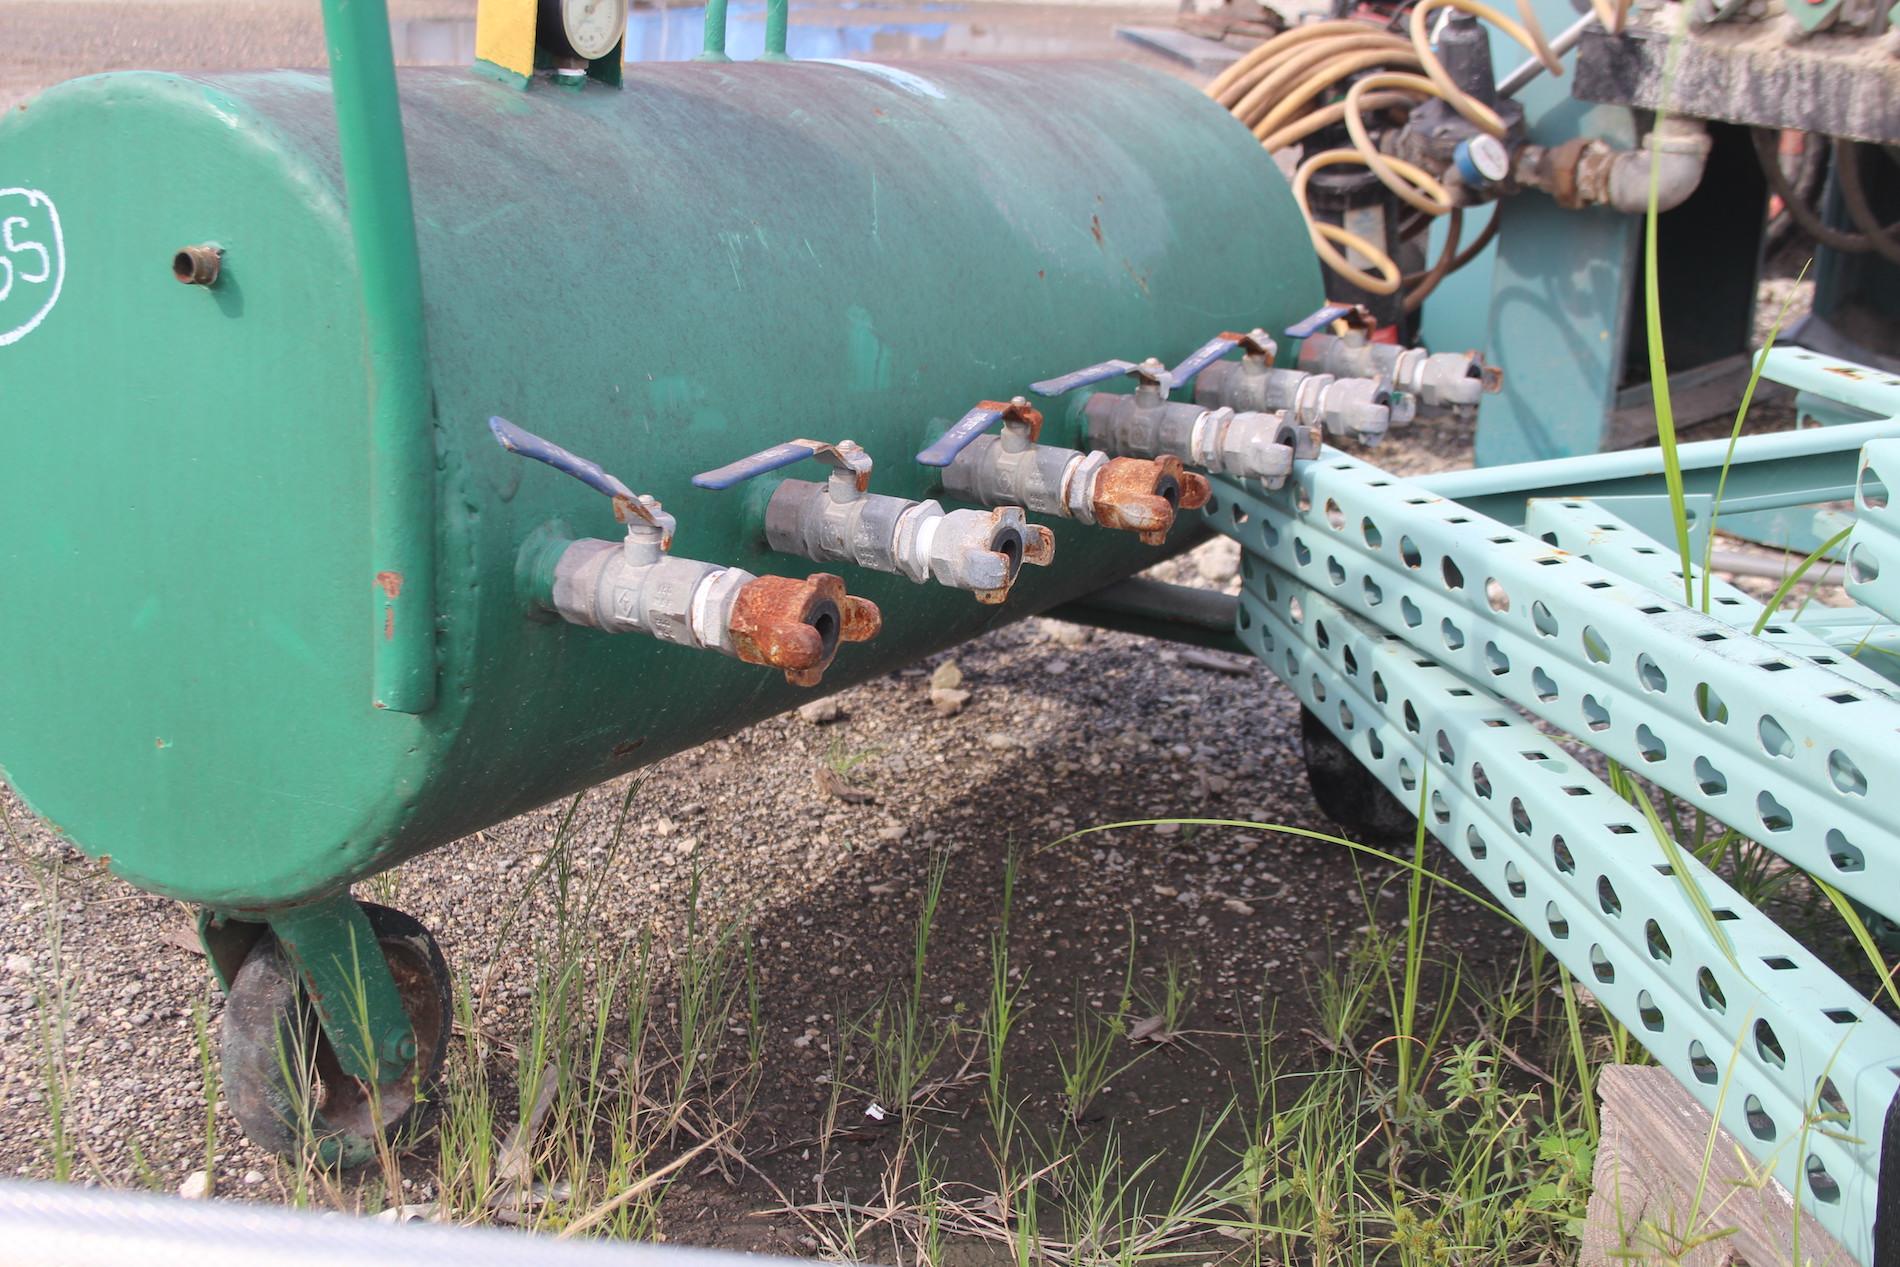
(1649,1171)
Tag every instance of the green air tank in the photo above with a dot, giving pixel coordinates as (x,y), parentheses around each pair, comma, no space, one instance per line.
(661,277)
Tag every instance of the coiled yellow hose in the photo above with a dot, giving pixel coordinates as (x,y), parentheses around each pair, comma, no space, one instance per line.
(1274,87)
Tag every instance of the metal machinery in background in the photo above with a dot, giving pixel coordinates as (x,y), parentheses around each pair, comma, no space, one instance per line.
(1409,130)
(333,613)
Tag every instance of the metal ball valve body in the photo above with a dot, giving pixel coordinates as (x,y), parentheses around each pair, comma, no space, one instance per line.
(712,258)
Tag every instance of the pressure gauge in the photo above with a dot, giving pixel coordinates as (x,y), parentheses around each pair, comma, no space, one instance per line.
(1482,161)
(588,29)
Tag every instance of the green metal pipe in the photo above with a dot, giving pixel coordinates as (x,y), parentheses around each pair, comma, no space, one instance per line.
(714,48)
(777,15)
(400,578)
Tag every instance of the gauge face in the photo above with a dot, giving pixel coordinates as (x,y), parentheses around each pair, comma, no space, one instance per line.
(1489,156)
(593,27)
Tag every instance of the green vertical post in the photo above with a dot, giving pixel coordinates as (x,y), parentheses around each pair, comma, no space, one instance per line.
(777,16)
(400,578)
(713,49)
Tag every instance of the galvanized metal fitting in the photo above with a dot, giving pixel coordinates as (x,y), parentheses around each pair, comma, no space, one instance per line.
(1309,400)
(797,626)
(967,549)
(198,265)
(1137,495)
(840,521)
(1250,445)
(1439,383)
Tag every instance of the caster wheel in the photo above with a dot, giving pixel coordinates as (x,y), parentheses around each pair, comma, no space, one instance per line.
(282,1078)
(1346,791)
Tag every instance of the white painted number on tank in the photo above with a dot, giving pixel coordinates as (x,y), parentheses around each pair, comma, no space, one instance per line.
(32,261)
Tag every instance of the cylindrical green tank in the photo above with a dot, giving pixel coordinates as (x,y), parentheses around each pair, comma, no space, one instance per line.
(662,278)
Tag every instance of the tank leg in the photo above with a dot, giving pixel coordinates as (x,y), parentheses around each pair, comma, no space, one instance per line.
(334,1031)
(1346,791)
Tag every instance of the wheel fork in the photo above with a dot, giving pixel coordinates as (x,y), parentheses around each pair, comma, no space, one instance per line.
(335,953)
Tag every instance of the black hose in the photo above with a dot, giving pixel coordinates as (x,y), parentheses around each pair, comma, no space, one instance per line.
(1803,212)
(1859,209)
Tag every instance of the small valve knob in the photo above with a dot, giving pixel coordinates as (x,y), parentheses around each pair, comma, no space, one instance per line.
(797,626)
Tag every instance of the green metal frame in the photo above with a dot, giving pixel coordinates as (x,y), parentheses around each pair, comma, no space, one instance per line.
(400,577)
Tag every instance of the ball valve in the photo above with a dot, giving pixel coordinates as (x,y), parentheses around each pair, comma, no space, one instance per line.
(1442,383)
(1356,408)
(841,521)
(1138,495)
(1221,441)
(635,586)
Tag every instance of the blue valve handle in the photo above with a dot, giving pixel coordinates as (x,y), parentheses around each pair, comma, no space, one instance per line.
(1081,378)
(1202,357)
(529,445)
(772,459)
(1308,326)
(961,435)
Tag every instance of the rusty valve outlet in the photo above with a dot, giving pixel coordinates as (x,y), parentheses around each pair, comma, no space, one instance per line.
(1141,495)
(1012,469)
(635,586)
(797,625)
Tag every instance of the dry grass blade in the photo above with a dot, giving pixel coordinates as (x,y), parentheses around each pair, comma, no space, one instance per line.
(634,1191)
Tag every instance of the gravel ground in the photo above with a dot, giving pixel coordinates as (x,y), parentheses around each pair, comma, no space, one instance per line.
(1063,729)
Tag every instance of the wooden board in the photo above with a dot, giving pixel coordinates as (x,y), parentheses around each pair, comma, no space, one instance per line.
(1649,1169)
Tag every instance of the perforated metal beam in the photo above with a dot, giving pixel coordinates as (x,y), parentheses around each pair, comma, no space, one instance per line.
(1590,531)
(1784,750)
(1789,1058)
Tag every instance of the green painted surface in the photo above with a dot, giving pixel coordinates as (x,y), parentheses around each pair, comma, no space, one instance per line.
(662,278)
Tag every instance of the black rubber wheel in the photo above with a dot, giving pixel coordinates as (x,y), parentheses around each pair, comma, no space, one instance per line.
(1346,791)
(282,1078)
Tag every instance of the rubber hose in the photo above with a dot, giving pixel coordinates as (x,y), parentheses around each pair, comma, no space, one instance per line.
(1804,214)
(1854,193)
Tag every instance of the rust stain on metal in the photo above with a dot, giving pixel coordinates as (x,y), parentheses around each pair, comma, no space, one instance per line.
(389,624)
(627,747)
(1017,410)
(798,626)
(390,583)
(1140,496)
(1844,371)
(1095,228)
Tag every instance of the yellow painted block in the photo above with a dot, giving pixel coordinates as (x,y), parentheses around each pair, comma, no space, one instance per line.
(504,34)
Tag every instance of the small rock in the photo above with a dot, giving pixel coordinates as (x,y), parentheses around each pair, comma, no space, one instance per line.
(20,965)
(253,1177)
(1218,560)
(891,833)
(1167,829)
(196,1187)
(1064,634)
(1000,741)
(1055,666)
(948,677)
(948,701)
(820,711)
(1237,906)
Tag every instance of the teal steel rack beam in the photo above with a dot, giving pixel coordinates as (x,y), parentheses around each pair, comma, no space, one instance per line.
(1462,634)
